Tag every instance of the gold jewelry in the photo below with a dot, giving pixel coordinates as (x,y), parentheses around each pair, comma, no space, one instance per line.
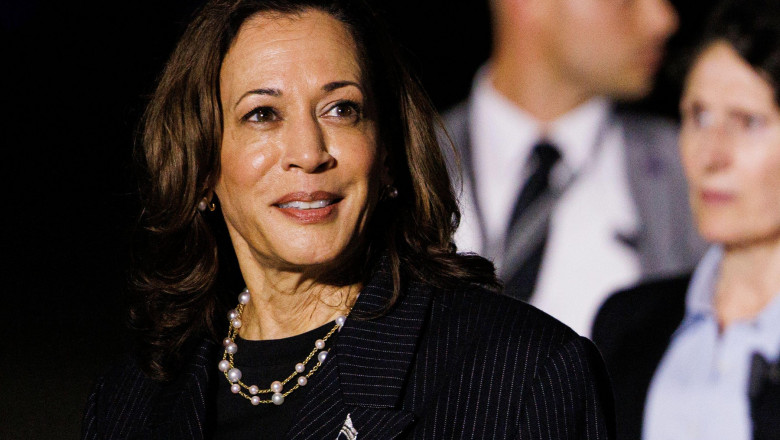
(205,204)
(233,374)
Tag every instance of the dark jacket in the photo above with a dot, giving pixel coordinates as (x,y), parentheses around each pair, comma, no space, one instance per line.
(440,364)
(634,328)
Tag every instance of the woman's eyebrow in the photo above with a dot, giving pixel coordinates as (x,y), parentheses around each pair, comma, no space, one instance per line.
(331,86)
(270,92)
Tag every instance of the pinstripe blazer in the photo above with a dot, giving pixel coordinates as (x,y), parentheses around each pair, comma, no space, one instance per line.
(458,364)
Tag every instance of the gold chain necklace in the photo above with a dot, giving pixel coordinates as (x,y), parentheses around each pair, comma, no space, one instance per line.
(250,392)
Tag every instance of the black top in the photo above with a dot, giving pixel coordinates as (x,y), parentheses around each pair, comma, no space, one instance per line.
(262,362)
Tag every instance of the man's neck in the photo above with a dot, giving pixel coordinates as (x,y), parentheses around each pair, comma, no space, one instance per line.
(535,88)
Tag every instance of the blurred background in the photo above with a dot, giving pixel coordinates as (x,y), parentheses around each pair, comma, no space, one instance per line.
(76,76)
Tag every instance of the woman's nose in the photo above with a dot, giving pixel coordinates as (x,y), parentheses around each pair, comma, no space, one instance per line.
(306,147)
(715,148)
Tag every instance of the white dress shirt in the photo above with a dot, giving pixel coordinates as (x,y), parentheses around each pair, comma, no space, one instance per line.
(583,261)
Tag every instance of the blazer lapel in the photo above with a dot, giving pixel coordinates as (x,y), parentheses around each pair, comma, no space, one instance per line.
(180,411)
(365,374)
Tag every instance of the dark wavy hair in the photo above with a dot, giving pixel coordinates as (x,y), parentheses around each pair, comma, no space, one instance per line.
(752,28)
(184,271)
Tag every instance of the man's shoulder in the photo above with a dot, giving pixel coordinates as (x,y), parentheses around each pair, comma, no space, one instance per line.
(455,129)
(456,115)
(646,121)
(648,131)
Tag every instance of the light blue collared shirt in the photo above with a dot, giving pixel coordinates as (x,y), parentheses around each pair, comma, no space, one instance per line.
(700,390)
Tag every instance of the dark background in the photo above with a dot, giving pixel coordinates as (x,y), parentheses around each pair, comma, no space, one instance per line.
(76,77)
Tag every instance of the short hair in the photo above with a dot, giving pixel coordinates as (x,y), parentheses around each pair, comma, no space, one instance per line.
(183,259)
(752,29)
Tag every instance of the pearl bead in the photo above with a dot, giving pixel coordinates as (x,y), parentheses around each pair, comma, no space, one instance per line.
(254,390)
(244,297)
(340,320)
(237,323)
(231,348)
(322,356)
(234,375)
(300,368)
(255,400)
(203,205)
(277,399)
(232,314)
(224,365)
(235,388)
(320,344)
(302,381)
(226,341)
(276,386)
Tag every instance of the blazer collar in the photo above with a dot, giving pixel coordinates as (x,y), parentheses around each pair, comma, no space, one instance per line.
(367,372)
(377,353)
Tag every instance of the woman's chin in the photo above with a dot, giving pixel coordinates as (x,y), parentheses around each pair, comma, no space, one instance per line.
(312,258)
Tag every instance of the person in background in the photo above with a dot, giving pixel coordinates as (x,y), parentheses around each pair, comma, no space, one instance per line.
(695,357)
(569,198)
(289,139)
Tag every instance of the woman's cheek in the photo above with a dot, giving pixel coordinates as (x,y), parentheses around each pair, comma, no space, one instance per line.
(258,161)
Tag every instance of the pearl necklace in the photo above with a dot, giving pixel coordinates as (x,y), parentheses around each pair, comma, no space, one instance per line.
(233,374)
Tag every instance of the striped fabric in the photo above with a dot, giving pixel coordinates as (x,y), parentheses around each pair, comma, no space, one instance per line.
(465,364)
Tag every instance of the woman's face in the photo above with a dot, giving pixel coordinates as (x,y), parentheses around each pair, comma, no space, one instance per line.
(301,169)
(730,143)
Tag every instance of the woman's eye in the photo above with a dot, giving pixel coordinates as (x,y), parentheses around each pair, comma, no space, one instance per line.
(697,115)
(752,121)
(345,110)
(261,114)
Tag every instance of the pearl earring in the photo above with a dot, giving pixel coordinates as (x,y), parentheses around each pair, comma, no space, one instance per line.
(204,204)
(391,192)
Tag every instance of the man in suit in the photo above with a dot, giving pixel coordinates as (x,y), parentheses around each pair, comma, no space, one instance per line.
(569,198)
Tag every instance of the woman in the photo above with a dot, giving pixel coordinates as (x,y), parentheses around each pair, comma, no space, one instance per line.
(697,337)
(292,126)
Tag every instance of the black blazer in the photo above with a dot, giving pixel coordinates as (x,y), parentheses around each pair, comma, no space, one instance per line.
(463,364)
(634,328)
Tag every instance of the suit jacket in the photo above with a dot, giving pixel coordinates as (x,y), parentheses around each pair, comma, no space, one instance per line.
(456,364)
(633,329)
(667,242)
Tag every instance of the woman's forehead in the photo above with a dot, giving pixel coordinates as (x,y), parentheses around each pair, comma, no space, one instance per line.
(283,47)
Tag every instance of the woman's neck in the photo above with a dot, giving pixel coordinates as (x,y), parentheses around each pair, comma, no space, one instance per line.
(749,279)
(285,304)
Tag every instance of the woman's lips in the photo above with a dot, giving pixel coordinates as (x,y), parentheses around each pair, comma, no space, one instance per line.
(307,207)
(716,197)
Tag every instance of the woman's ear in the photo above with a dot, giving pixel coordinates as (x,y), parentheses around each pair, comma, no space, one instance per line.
(386,177)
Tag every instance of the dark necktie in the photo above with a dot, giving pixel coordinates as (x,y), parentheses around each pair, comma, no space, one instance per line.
(522,280)
(764,394)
